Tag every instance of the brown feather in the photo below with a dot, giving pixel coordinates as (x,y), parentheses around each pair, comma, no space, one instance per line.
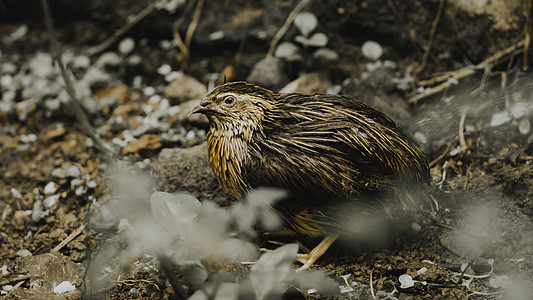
(320,148)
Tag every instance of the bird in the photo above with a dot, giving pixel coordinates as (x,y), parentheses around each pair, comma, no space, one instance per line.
(338,159)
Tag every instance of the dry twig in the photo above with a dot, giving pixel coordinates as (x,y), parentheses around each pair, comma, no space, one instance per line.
(372,284)
(177,24)
(15,279)
(118,33)
(184,46)
(529,36)
(69,238)
(76,105)
(281,32)
(462,141)
(422,65)
(451,78)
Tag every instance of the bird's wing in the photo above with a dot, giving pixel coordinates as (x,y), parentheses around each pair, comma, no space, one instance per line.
(331,145)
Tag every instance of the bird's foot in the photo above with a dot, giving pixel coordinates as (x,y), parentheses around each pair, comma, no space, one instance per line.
(309,259)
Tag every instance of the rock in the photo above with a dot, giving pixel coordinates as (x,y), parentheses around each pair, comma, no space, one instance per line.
(372,50)
(46,272)
(184,89)
(187,169)
(269,73)
(372,93)
(308,84)
(198,120)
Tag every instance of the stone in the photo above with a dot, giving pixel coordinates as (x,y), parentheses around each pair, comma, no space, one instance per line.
(46,272)
(198,120)
(308,84)
(184,88)
(269,73)
(187,169)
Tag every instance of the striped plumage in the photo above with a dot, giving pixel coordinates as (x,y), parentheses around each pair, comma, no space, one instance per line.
(322,149)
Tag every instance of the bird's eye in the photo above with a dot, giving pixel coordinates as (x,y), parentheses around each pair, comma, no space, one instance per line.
(229,99)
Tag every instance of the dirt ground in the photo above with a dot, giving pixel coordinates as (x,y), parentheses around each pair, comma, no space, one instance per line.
(56,187)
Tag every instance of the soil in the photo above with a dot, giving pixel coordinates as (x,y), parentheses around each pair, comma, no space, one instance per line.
(55,185)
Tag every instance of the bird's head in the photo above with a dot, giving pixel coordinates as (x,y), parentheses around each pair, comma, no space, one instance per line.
(235,106)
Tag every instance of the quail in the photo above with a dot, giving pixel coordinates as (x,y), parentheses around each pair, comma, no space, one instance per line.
(339,159)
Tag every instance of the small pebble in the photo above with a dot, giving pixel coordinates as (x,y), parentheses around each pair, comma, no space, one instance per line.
(372,50)
(24,253)
(190,135)
(134,60)
(154,99)
(8,68)
(37,212)
(81,62)
(80,190)
(7,287)
(134,293)
(75,182)
(50,188)
(28,138)
(164,69)
(422,271)
(149,91)
(50,201)
(173,110)
(92,184)
(173,76)
(16,193)
(217,35)
(64,287)
(73,171)
(126,46)
(6,80)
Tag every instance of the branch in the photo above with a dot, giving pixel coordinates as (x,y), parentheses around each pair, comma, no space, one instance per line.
(529,36)
(431,38)
(451,78)
(76,106)
(118,33)
(285,27)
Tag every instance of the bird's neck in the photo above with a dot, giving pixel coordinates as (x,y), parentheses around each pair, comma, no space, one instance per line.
(227,146)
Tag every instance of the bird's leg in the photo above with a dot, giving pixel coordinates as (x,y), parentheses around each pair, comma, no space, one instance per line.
(309,259)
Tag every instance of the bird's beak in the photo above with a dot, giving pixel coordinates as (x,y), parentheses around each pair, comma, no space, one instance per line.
(201,107)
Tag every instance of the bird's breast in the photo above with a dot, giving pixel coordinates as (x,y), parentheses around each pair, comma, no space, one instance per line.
(226,152)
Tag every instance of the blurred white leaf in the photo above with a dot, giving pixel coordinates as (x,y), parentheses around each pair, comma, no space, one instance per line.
(195,273)
(175,212)
(224,291)
(406,281)
(326,53)
(288,51)
(318,40)
(319,280)
(500,281)
(265,196)
(237,250)
(306,22)
(271,270)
